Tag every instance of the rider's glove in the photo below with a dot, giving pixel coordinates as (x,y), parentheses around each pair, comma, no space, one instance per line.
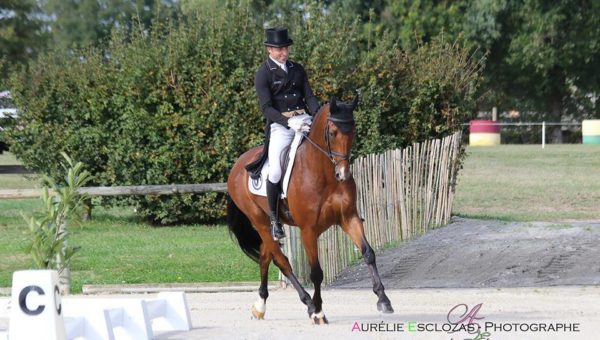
(300,124)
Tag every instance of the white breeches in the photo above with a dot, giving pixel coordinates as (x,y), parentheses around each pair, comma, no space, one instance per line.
(280,138)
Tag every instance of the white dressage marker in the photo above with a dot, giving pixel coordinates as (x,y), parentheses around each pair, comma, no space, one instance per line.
(40,314)
(36,306)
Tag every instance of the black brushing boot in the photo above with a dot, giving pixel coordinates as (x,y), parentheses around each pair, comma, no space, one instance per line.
(273,195)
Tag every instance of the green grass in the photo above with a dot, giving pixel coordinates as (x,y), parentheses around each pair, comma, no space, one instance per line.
(528,183)
(15,181)
(117,248)
(7,158)
(508,182)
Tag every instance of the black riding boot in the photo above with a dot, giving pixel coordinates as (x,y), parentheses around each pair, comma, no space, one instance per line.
(273,196)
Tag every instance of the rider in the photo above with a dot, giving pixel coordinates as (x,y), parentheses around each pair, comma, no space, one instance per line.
(286,100)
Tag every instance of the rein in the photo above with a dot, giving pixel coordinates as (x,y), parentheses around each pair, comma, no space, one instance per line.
(329,152)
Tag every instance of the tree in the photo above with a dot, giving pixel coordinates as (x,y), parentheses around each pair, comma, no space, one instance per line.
(416,21)
(543,57)
(555,53)
(79,23)
(22,33)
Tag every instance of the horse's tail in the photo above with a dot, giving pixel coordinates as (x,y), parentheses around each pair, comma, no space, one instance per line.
(241,227)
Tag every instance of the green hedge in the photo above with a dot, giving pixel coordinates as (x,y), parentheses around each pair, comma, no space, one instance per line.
(177,105)
(409,97)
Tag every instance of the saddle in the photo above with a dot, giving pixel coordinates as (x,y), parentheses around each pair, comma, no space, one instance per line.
(257,184)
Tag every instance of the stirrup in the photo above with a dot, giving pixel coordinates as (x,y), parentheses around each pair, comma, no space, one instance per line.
(277,230)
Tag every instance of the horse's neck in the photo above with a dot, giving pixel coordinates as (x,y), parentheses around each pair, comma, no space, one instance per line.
(314,162)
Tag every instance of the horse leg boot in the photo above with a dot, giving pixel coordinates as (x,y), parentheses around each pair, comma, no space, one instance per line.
(273,197)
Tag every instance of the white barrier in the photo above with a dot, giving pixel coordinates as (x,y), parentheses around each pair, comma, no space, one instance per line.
(169,312)
(129,318)
(88,317)
(4,314)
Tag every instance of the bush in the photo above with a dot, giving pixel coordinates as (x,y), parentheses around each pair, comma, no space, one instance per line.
(177,104)
(409,97)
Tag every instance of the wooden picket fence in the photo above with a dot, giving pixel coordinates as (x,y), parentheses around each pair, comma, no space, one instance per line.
(402,193)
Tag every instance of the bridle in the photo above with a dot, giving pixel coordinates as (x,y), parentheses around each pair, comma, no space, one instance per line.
(329,152)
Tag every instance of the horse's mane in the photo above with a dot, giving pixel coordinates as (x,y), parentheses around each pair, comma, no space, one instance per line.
(344,117)
(319,111)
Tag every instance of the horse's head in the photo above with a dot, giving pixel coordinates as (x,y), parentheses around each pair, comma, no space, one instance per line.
(339,136)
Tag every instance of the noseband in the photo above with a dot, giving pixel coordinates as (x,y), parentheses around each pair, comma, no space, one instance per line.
(329,152)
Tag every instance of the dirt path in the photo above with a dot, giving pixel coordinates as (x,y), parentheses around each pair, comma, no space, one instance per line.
(419,314)
(478,253)
(525,257)
(352,314)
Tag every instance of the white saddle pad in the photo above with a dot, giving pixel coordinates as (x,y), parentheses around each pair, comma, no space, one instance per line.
(258,187)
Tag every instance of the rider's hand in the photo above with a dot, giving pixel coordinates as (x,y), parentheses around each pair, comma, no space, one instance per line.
(300,124)
(305,128)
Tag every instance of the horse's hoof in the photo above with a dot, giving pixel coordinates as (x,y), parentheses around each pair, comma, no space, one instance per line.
(257,315)
(319,319)
(385,307)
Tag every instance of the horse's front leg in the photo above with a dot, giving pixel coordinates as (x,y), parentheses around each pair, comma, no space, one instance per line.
(310,241)
(353,226)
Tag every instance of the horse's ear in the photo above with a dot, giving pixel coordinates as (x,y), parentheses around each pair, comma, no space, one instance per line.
(332,105)
(355,101)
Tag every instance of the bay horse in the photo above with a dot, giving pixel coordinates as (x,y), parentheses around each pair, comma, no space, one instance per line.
(321,193)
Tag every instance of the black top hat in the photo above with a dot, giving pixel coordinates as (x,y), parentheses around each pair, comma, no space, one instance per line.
(278,37)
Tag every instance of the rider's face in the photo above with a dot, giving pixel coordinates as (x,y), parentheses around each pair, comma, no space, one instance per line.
(280,54)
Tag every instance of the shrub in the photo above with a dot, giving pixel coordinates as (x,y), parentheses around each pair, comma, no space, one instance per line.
(48,243)
(409,97)
(177,104)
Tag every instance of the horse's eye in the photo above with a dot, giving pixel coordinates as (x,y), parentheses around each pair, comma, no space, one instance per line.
(331,134)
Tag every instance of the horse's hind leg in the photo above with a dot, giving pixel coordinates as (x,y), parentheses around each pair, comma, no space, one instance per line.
(316,274)
(272,251)
(259,307)
(354,228)
(283,263)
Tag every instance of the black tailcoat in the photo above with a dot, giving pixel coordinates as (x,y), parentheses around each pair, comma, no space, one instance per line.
(279,91)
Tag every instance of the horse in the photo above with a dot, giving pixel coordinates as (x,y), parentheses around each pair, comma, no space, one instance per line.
(321,193)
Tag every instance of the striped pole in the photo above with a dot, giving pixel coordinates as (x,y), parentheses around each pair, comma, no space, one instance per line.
(484,132)
(590,129)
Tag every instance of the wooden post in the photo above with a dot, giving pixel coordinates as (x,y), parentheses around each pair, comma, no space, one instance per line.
(87,210)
